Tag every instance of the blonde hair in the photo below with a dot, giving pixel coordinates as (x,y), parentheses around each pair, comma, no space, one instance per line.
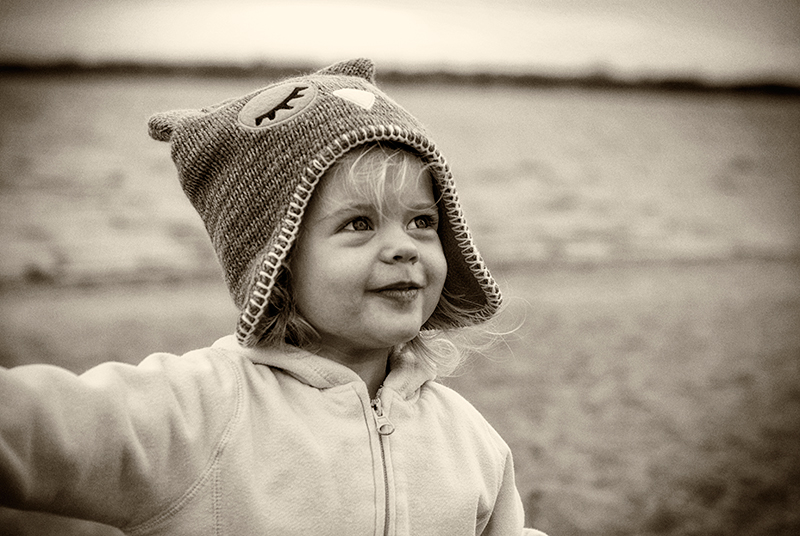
(367,170)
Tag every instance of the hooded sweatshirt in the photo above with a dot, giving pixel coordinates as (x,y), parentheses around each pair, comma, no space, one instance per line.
(229,440)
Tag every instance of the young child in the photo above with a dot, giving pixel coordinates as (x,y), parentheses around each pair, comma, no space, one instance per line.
(342,241)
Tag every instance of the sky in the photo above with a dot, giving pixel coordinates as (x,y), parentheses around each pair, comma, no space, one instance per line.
(715,40)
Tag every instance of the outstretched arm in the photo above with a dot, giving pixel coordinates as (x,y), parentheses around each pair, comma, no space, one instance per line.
(114,444)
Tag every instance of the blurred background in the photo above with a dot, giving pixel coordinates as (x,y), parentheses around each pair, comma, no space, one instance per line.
(629,170)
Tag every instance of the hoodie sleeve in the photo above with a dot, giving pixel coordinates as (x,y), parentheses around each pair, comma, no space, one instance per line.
(508,514)
(117,444)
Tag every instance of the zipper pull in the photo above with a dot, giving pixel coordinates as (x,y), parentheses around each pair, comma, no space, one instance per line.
(385,426)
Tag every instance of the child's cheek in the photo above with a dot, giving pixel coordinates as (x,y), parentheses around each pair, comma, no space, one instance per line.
(437,271)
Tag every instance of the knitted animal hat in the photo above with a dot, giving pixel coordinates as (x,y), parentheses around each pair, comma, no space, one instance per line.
(250,165)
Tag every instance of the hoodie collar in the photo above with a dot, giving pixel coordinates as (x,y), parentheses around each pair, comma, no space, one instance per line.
(407,372)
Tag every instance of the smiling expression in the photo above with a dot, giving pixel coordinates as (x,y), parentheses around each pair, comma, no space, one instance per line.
(368,267)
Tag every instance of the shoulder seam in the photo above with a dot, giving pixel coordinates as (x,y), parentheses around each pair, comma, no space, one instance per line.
(210,468)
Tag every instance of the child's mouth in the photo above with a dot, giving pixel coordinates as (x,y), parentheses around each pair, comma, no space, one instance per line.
(401,295)
(401,292)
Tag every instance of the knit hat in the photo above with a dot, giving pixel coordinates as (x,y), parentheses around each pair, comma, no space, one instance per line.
(250,165)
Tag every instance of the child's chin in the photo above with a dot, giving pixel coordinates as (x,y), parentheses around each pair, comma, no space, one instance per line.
(402,336)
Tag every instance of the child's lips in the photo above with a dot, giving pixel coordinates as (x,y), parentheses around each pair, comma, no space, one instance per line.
(400,295)
(404,291)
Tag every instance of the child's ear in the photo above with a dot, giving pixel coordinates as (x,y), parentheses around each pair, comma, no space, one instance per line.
(161,126)
(361,67)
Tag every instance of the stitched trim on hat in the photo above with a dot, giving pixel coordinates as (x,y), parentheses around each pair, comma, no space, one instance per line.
(251,324)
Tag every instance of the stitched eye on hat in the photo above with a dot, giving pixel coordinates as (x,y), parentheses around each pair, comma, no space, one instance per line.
(365,99)
(277,104)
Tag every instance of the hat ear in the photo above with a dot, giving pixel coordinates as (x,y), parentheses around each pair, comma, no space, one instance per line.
(161,126)
(361,67)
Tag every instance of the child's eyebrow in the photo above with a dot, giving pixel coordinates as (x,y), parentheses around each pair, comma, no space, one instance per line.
(424,206)
(344,210)
(347,207)
(339,210)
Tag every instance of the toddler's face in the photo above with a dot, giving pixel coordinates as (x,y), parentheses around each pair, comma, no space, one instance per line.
(365,278)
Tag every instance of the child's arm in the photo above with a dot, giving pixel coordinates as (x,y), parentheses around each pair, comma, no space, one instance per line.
(508,510)
(117,444)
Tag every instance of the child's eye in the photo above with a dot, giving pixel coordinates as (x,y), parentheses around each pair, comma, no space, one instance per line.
(424,222)
(358,224)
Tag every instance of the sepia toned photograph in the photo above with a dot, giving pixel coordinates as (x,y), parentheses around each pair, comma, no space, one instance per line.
(509,267)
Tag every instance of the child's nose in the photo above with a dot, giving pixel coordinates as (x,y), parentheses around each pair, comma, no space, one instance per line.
(399,247)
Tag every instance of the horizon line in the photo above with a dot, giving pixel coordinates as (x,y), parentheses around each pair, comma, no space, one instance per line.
(596,79)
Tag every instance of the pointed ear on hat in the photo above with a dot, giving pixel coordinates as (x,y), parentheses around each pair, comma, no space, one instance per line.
(162,125)
(361,67)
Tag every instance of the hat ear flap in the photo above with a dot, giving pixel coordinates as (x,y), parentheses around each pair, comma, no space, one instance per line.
(361,67)
(161,126)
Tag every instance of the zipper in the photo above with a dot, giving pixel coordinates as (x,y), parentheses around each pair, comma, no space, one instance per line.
(384,425)
(385,428)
